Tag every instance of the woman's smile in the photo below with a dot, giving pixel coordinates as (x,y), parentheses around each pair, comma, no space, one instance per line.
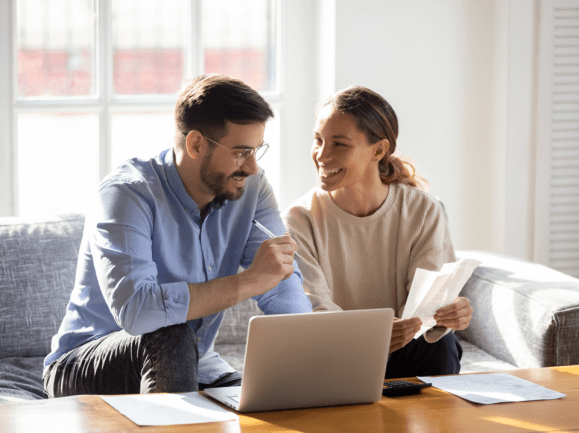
(327,172)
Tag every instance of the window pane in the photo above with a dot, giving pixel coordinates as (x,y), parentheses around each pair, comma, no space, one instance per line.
(149,44)
(239,39)
(142,135)
(57,162)
(55,47)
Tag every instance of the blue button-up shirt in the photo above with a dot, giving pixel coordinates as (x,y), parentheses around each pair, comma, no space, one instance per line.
(144,240)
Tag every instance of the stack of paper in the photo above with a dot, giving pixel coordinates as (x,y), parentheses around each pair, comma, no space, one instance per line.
(169,409)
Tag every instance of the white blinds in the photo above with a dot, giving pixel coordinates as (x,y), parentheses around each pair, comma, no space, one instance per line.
(564,155)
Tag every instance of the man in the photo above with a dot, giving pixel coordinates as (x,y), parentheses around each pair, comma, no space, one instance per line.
(161,250)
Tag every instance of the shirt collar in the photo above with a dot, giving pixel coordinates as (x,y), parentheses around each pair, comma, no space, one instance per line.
(175,182)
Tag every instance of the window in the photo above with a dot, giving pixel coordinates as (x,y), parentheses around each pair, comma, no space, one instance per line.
(95,83)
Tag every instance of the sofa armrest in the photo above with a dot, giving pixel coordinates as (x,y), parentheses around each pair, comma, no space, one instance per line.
(525,314)
(38,258)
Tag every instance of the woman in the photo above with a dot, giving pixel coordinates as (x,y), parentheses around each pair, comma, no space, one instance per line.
(368,226)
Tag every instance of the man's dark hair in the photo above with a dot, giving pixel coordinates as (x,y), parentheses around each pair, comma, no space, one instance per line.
(207,102)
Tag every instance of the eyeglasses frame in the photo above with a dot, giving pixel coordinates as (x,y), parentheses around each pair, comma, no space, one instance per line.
(242,155)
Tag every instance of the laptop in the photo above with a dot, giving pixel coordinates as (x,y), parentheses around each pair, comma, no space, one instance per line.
(312,359)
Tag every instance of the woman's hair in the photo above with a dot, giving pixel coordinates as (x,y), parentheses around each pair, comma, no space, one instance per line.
(375,117)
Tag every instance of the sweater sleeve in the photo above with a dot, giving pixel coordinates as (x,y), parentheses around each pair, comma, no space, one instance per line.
(300,226)
(432,248)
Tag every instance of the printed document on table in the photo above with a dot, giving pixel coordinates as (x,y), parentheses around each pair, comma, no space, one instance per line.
(169,409)
(431,290)
(492,388)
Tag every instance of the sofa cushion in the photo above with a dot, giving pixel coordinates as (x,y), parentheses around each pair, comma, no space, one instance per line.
(524,313)
(21,379)
(476,360)
(233,330)
(37,270)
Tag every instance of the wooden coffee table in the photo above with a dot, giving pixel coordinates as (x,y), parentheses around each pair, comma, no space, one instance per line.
(432,410)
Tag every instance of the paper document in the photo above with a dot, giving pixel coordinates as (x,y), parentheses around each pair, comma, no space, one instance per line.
(169,409)
(492,388)
(431,290)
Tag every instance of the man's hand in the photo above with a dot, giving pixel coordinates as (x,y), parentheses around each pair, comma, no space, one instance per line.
(272,263)
(455,316)
(403,331)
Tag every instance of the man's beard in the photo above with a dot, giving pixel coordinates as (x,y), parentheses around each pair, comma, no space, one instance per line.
(217,182)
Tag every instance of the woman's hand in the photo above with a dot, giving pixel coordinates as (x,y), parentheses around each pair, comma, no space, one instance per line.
(455,316)
(403,331)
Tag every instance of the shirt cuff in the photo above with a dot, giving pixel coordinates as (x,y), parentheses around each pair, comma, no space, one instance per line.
(436,333)
(176,299)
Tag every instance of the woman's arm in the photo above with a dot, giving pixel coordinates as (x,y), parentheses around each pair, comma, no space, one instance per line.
(433,248)
(300,227)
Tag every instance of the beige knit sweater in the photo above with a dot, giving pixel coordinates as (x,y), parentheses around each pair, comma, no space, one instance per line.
(354,263)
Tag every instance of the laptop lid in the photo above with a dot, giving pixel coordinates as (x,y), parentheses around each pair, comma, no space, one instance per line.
(314,359)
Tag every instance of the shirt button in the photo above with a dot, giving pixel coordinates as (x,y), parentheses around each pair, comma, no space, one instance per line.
(209,268)
(198,338)
(186,210)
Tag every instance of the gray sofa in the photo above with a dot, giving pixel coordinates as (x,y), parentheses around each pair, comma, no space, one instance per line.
(525,315)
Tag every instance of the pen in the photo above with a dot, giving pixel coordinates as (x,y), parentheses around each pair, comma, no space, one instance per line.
(270,234)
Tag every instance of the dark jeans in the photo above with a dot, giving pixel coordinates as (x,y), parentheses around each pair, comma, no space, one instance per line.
(161,361)
(421,358)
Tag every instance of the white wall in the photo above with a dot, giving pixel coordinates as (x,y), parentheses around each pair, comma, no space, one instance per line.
(459,74)
(299,89)
(433,62)
(520,164)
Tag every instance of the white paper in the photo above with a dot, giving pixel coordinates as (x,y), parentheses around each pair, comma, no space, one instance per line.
(169,409)
(431,290)
(492,388)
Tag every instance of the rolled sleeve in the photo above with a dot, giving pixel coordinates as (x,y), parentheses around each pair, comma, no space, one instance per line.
(121,244)
(287,297)
(176,299)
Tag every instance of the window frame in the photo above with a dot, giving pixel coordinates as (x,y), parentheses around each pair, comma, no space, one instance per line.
(7,157)
(104,103)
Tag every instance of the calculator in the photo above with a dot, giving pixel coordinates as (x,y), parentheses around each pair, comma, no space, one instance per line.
(398,388)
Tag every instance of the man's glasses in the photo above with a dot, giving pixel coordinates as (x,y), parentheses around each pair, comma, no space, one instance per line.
(243,155)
